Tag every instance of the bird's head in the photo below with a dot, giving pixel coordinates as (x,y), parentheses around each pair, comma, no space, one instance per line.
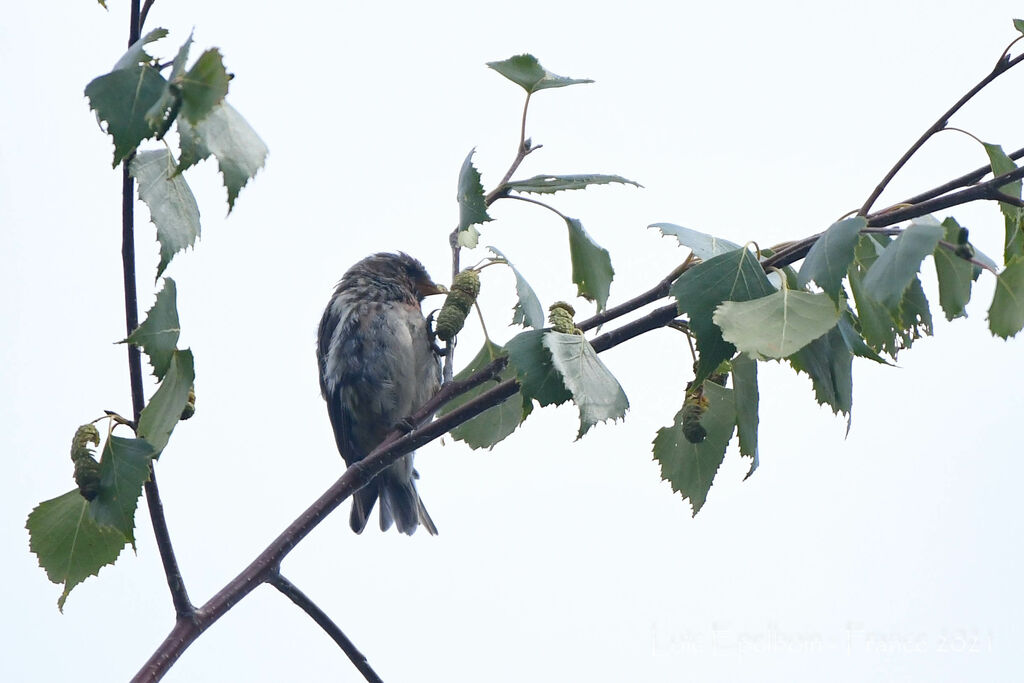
(395,275)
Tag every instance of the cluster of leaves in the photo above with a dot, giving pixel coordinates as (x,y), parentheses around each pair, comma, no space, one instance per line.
(856,293)
(552,367)
(76,534)
(867,301)
(137,103)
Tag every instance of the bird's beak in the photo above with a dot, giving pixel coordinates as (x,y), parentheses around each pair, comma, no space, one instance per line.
(430,288)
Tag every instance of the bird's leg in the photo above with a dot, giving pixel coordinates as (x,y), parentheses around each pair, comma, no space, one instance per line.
(432,333)
(405,424)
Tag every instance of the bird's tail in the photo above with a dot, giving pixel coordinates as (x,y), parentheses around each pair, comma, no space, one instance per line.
(400,502)
(362,506)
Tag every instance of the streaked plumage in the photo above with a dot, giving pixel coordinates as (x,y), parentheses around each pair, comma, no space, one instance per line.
(377,366)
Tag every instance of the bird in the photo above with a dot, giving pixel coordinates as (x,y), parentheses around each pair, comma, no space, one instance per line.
(378,363)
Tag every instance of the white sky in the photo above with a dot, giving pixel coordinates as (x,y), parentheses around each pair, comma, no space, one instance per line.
(892,555)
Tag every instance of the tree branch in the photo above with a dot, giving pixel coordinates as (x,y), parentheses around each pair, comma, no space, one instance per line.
(1001,67)
(988,190)
(179,596)
(265,568)
(964,180)
(293,593)
(394,446)
(659,291)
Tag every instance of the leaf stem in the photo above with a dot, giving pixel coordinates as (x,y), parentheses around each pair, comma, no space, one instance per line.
(483,325)
(538,203)
(949,246)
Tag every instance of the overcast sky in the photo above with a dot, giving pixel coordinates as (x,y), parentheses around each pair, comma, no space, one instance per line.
(893,554)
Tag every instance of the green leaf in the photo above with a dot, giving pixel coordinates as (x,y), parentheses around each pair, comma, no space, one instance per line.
(158,334)
(889,277)
(469,237)
(136,54)
(777,325)
(228,136)
(915,317)
(180,60)
(955,274)
(591,265)
(854,341)
(830,257)
(204,86)
(122,99)
(595,391)
(1019,24)
(546,184)
(163,411)
(875,323)
(172,206)
(1006,315)
(472,205)
(537,375)
(526,71)
(1013,244)
(829,363)
(691,467)
(744,385)
(159,113)
(496,423)
(886,330)
(702,245)
(70,546)
(124,468)
(733,276)
(528,310)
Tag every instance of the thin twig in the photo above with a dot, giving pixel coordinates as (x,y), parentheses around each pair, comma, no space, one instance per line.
(964,180)
(988,190)
(292,592)
(144,14)
(522,151)
(658,291)
(1001,67)
(179,596)
(659,317)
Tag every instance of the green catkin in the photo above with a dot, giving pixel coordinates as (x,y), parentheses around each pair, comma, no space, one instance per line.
(462,295)
(694,408)
(560,315)
(87,470)
(190,406)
